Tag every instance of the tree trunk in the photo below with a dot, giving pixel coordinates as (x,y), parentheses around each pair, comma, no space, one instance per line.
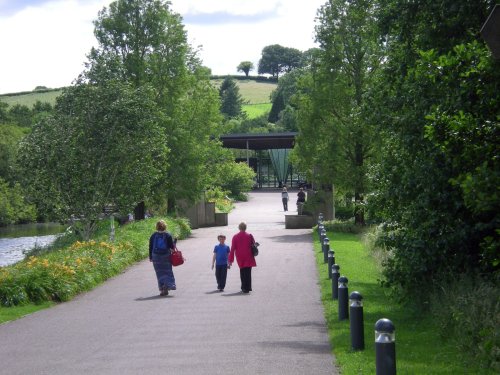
(359,210)
(139,211)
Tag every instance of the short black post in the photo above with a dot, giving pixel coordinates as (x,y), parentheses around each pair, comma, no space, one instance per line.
(335,281)
(326,248)
(320,228)
(343,298)
(331,261)
(385,347)
(320,218)
(322,236)
(356,321)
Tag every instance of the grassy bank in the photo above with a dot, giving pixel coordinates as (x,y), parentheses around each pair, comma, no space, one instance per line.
(256,110)
(59,275)
(419,348)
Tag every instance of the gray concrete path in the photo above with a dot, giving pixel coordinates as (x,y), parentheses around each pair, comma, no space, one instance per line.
(123,327)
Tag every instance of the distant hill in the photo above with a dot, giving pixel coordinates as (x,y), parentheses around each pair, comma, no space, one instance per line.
(28,98)
(256,93)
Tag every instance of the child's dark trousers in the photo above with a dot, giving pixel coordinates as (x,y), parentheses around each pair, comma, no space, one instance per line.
(221,275)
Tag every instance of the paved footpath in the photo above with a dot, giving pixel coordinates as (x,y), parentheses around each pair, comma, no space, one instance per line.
(124,327)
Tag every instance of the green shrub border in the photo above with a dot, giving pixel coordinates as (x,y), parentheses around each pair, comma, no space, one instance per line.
(61,274)
(419,347)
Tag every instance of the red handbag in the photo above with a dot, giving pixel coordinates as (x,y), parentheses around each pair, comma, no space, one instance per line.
(176,258)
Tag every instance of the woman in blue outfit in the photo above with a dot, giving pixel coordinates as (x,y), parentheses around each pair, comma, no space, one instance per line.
(161,245)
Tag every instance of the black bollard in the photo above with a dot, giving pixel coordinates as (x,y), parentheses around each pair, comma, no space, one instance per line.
(343,298)
(335,281)
(356,321)
(385,347)
(322,236)
(331,261)
(320,228)
(320,218)
(326,248)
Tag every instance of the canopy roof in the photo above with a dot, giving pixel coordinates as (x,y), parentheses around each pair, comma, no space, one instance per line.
(259,141)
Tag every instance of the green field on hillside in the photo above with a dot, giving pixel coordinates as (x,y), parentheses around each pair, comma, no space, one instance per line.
(252,92)
(256,110)
(31,98)
(256,92)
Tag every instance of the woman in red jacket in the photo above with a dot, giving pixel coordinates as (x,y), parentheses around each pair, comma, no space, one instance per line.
(241,247)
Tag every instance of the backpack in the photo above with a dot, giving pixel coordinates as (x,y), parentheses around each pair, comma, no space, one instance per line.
(160,244)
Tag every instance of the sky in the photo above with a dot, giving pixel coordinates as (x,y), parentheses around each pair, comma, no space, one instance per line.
(45,42)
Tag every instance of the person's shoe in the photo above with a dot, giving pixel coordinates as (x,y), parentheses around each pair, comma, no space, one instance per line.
(245,291)
(172,288)
(164,292)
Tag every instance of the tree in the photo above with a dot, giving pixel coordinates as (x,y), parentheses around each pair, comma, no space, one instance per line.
(144,42)
(231,100)
(245,67)
(437,107)
(20,114)
(332,103)
(86,156)
(13,206)
(4,112)
(283,107)
(10,136)
(277,59)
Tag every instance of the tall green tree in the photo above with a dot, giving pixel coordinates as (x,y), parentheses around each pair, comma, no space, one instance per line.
(102,147)
(332,106)
(277,59)
(10,136)
(245,67)
(283,109)
(231,100)
(437,108)
(144,42)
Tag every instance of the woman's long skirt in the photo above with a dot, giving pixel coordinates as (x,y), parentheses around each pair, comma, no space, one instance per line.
(164,273)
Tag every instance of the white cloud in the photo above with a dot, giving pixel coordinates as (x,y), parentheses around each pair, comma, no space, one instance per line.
(225,45)
(46,44)
(236,7)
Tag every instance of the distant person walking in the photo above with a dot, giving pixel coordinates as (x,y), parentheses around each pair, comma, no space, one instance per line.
(161,245)
(241,248)
(301,199)
(221,252)
(284,198)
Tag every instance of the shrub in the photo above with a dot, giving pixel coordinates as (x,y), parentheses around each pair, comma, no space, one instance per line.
(13,207)
(468,312)
(344,226)
(344,212)
(237,178)
(222,202)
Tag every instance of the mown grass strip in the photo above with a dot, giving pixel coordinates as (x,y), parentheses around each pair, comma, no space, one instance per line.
(16,312)
(419,349)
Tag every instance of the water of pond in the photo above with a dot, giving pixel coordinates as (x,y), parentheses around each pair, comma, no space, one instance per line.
(18,240)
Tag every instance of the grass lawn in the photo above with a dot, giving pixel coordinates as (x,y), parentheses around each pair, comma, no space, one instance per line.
(12,313)
(256,110)
(419,349)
